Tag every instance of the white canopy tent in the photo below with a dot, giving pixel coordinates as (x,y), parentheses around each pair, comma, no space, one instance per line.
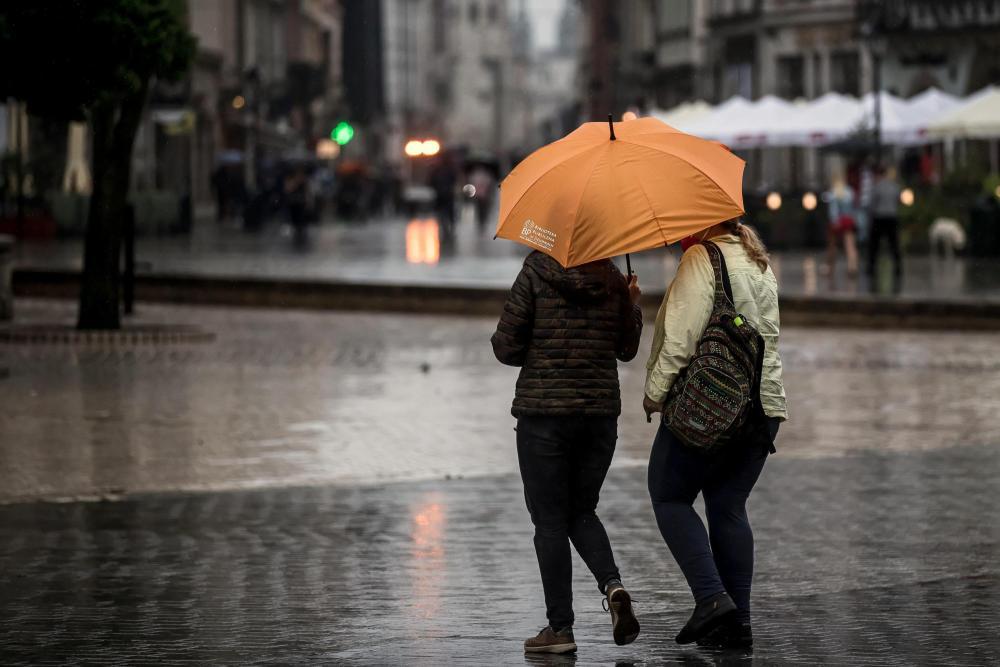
(739,123)
(684,115)
(717,123)
(771,121)
(829,118)
(978,117)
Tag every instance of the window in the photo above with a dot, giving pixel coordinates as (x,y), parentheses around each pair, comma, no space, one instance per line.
(674,15)
(845,73)
(491,12)
(791,77)
(473,12)
(440,25)
(738,80)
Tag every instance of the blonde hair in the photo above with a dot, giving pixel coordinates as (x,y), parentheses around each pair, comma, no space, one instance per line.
(752,245)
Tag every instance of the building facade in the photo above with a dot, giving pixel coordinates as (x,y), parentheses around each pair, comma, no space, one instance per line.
(265,85)
(671,51)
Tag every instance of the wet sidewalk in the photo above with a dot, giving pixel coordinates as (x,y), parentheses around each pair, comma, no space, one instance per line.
(301,398)
(332,488)
(874,558)
(419,252)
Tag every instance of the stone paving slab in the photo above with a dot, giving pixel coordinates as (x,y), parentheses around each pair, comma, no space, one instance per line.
(874,558)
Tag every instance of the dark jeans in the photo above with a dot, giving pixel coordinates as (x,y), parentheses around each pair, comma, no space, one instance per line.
(889,229)
(563,463)
(720,560)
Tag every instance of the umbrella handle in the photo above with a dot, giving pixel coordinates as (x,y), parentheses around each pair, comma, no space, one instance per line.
(628,264)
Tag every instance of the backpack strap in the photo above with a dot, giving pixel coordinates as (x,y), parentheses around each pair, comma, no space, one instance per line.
(723,289)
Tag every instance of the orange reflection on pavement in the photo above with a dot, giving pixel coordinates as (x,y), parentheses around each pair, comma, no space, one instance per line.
(427,555)
(423,245)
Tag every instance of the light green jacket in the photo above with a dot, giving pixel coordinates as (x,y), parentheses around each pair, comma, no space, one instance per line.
(686,308)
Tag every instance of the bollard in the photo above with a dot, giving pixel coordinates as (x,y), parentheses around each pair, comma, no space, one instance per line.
(6,281)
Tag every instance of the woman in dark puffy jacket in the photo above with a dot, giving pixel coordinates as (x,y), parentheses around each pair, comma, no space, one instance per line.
(567,329)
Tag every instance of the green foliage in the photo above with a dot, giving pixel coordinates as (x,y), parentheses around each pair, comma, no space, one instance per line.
(64,57)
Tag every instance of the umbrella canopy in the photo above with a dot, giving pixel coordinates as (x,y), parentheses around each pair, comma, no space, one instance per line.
(976,118)
(588,196)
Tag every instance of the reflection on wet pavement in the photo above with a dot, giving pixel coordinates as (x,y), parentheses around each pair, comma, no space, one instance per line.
(398,251)
(422,243)
(283,398)
(394,528)
(875,558)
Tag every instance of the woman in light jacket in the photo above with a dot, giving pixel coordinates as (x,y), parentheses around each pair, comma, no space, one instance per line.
(718,564)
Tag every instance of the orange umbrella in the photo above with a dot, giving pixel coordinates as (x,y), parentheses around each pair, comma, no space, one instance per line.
(607,189)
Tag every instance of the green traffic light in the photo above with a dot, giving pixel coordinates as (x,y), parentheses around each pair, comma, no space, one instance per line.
(343,133)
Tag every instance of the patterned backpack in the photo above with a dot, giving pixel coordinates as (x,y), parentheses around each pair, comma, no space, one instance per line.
(719,390)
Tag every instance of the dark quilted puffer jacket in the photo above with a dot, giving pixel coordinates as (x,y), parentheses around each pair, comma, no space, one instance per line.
(567,329)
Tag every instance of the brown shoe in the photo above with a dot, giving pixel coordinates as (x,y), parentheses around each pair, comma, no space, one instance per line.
(550,641)
(623,621)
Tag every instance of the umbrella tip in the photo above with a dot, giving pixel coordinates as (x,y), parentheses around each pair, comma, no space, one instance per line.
(611,124)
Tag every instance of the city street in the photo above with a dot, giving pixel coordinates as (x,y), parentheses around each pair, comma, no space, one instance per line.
(397,251)
(342,488)
(253,252)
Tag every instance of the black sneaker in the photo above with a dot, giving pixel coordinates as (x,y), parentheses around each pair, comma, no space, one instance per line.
(550,641)
(706,617)
(730,635)
(624,625)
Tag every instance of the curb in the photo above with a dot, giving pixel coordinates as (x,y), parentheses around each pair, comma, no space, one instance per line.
(796,310)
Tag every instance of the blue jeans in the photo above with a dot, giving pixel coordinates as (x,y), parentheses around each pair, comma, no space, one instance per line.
(721,559)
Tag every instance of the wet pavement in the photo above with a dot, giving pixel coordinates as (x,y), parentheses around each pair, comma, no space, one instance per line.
(327,488)
(396,251)
(873,558)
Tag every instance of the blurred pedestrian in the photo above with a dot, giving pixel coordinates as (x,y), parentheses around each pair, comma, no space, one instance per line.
(443,179)
(843,224)
(718,564)
(567,329)
(296,200)
(885,224)
(222,187)
(482,179)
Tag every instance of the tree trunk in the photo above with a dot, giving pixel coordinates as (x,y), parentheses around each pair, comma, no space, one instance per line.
(114,128)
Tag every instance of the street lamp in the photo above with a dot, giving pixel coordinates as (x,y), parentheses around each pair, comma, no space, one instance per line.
(414,148)
(870,33)
(422,147)
(773,201)
(430,147)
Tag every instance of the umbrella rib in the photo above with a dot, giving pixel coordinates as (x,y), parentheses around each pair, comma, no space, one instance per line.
(583,191)
(649,202)
(691,164)
(546,172)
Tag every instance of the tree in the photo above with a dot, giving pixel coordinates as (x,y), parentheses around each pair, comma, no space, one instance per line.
(95,60)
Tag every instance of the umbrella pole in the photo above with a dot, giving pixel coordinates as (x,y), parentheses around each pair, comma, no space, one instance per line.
(628,264)
(611,124)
